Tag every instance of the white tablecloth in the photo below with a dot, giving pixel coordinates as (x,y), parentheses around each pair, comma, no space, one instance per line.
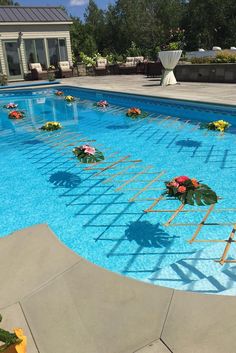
(169,60)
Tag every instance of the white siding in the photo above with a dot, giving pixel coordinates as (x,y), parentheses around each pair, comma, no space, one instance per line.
(45,31)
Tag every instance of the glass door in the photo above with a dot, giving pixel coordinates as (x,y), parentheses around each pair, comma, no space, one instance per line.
(13,59)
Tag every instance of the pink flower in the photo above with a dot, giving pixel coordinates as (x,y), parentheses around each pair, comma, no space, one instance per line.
(182,189)
(102,104)
(181,179)
(88,149)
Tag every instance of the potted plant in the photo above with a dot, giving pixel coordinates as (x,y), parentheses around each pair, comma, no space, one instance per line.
(12,342)
(51,73)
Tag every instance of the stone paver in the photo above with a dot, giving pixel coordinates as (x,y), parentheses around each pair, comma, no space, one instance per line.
(28,259)
(88,309)
(154,347)
(138,84)
(200,324)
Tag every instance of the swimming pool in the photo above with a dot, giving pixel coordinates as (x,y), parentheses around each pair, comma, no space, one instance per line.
(99,213)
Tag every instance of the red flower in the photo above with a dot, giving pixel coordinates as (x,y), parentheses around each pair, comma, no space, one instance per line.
(181,189)
(181,179)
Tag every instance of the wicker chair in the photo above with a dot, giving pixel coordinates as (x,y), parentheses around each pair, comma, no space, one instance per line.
(65,69)
(101,67)
(37,72)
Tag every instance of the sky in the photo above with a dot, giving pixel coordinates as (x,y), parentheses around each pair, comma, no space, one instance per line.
(75,7)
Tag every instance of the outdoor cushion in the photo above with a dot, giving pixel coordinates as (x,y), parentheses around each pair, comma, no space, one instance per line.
(129,61)
(36,66)
(101,62)
(64,65)
(138,59)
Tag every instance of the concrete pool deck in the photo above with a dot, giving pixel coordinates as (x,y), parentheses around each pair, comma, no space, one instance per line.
(138,84)
(66,304)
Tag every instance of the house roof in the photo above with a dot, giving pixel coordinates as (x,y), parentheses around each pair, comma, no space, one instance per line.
(31,14)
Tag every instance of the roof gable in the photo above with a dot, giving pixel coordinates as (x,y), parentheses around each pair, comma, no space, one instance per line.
(32,14)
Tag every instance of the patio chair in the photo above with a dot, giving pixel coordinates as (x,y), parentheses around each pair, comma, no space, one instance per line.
(65,69)
(37,72)
(129,67)
(101,67)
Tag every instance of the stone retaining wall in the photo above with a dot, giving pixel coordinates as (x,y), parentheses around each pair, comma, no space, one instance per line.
(221,73)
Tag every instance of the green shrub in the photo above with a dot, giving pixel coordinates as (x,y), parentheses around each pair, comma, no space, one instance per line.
(221,58)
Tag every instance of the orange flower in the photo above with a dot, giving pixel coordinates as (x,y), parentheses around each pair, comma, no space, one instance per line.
(136,111)
(59,93)
(195,183)
(16,114)
(181,189)
(20,347)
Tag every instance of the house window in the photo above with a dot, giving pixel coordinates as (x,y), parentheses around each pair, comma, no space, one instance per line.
(35,52)
(57,50)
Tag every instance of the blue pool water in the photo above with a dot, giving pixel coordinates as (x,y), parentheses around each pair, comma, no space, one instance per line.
(41,182)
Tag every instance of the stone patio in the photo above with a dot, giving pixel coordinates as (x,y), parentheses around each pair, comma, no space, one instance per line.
(138,84)
(66,304)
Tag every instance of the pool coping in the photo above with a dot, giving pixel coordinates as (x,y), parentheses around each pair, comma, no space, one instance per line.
(71,305)
(140,95)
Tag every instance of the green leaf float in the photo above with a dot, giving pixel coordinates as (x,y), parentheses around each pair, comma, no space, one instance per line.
(190,191)
(88,154)
(51,126)
(218,125)
(135,113)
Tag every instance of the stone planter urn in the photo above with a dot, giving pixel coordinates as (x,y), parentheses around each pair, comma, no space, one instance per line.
(169,60)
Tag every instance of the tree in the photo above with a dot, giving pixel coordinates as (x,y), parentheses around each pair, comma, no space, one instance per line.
(210,23)
(94,24)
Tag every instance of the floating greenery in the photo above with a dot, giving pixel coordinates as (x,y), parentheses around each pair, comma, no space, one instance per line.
(51,126)
(190,191)
(16,114)
(88,154)
(70,99)
(10,106)
(218,125)
(135,113)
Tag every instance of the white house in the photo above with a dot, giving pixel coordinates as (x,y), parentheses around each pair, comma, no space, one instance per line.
(32,35)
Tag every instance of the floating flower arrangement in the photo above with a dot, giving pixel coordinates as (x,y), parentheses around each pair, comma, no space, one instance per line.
(102,104)
(70,99)
(88,154)
(218,125)
(51,126)
(10,106)
(190,191)
(135,113)
(16,114)
(59,93)
(13,342)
